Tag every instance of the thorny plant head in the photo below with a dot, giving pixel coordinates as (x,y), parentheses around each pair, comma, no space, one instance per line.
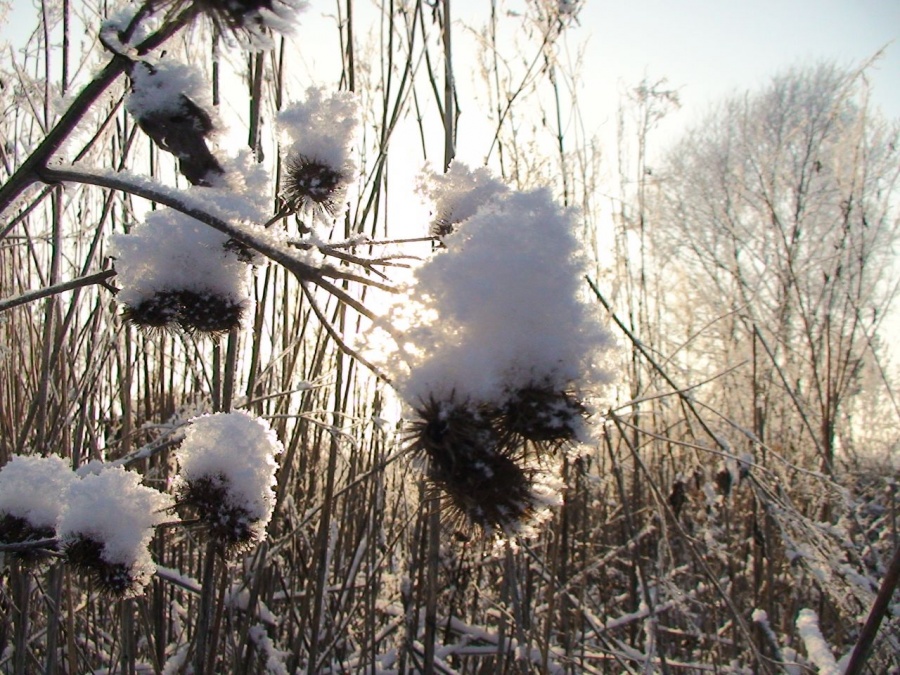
(231,525)
(15,530)
(114,578)
(247,20)
(195,312)
(488,485)
(542,416)
(309,183)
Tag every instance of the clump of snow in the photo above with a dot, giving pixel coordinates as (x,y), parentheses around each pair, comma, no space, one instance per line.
(32,488)
(817,648)
(162,87)
(171,252)
(114,510)
(458,194)
(500,309)
(232,454)
(323,127)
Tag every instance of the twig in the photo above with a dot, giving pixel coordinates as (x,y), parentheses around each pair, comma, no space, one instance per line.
(863,648)
(31,296)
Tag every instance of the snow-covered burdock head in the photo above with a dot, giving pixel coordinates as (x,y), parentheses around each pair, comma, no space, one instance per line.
(31,498)
(457,195)
(497,350)
(170,103)
(177,271)
(106,525)
(319,166)
(227,472)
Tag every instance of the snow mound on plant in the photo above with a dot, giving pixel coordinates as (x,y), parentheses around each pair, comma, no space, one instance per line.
(500,308)
(323,128)
(237,451)
(171,251)
(32,488)
(114,509)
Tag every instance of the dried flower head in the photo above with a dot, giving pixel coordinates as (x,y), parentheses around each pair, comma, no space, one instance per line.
(28,514)
(115,578)
(209,313)
(106,525)
(311,183)
(158,312)
(15,530)
(488,486)
(247,20)
(176,271)
(230,524)
(543,416)
(227,472)
(320,134)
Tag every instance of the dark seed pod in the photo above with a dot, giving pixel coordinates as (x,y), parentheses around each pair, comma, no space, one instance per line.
(158,312)
(208,313)
(230,525)
(15,530)
(86,555)
(487,491)
(236,15)
(544,416)
(310,183)
(486,484)
(180,127)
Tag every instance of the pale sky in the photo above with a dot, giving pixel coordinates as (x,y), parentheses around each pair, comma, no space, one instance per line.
(710,49)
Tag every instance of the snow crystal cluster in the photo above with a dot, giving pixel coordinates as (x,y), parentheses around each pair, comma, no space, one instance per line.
(496,350)
(227,472)
(175,270)
(106,526)
(320,133)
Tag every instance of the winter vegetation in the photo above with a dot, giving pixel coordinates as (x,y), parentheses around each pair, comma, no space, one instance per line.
(287,386)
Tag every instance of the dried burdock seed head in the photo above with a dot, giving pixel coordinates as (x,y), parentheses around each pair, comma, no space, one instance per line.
(247,20)
(487,484)
(15,530)
(487,491)
(209,313)
(310,183)
(229,524)
(545,416)
(86,555)
(157,312)
(448,429)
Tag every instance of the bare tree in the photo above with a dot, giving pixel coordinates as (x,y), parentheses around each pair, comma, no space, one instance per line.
(778,216)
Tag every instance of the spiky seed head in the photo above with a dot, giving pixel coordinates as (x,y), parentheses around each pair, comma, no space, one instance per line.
(310,183)
(209,313)
(15,530)
(486,491)
(230,525)
(86,555)
(544,416)
(158,312)
(487,484)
